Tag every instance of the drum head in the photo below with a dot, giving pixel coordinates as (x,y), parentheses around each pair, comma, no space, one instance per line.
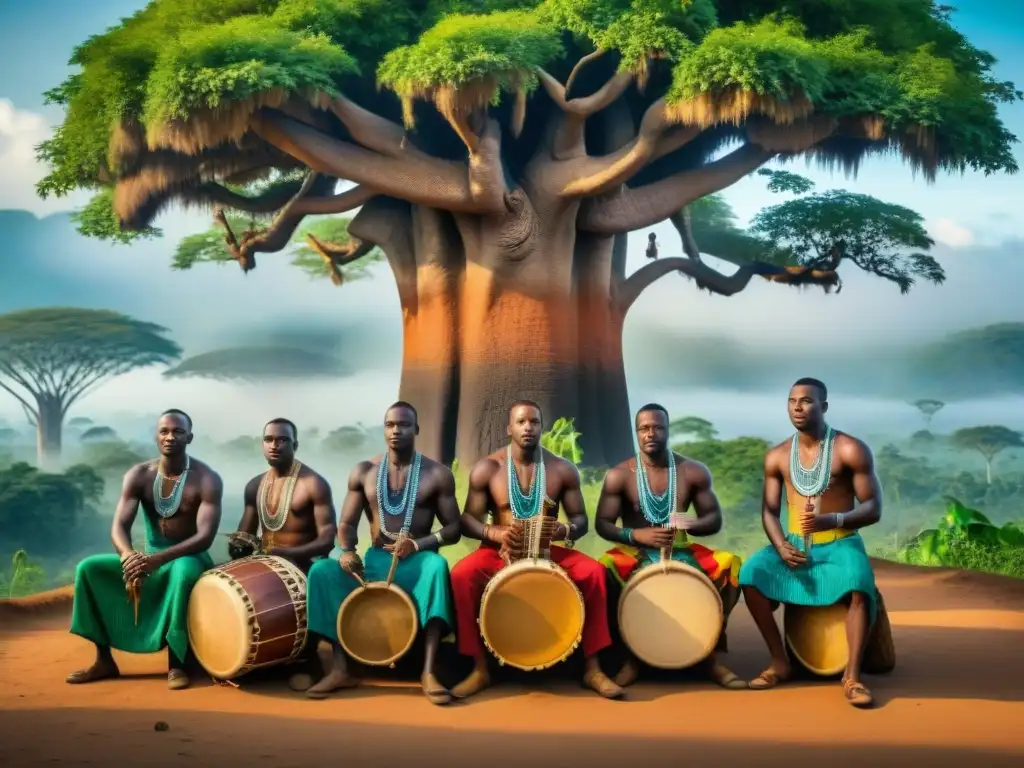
(376,626)
(218,626)
(817,637)
(671,618)
(532,618)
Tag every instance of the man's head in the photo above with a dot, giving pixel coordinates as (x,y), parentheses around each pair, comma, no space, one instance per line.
(401,425)
(173,432)
(525,423)
(280,441)
(652,429)
(808,403)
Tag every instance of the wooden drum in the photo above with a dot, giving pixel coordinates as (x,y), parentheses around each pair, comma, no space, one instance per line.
(816,638)
(531,615)
(247,614)
(670,615)
(378,622)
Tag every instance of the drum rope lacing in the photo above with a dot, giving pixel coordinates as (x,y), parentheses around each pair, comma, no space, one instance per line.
(407,500)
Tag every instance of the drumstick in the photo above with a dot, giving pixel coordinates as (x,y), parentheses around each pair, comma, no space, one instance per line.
(394,562)
(134,588)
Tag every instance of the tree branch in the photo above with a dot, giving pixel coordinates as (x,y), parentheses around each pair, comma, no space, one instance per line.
(635,208)
(683,223)
(287,220)
(568,140)
(30,412)
(373,131)
(416,178)
(337,255)
(279,195)
(716,282)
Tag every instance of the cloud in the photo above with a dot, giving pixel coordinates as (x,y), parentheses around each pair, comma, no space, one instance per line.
(20,132)
(948,232)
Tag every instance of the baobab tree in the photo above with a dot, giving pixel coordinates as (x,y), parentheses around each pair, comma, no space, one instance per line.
(989,441)
(259,363)
(502,151)
(50,358)
(928,408)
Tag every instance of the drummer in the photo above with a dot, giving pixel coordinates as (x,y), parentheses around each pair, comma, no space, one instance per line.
(291,507)
(181,507)
(489,484)
(401,493)
(819,559)
(649,493)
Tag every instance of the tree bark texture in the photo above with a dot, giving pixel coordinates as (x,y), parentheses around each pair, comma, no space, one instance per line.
(49,430)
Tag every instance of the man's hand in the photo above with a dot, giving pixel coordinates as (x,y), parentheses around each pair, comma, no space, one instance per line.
(402,548)
(350,563)
(241,545)
(792,556)
(130,562)
(654,536)
(510,538)
(143,565)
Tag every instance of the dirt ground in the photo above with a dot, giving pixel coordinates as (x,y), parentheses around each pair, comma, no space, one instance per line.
(956,697)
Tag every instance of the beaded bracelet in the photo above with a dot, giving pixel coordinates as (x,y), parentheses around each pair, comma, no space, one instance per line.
(627,534)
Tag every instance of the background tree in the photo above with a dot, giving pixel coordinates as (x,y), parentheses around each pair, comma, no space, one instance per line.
(99,434)
(503,207)
(254,364)
(693,426)
(345,440)
(977,362)
(51,357)
(928,408)
(989,441)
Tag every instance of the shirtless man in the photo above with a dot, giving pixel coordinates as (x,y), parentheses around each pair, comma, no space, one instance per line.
(636,490)
(290,505)
(181,504)
(819,559)
(389,481)
(489,493)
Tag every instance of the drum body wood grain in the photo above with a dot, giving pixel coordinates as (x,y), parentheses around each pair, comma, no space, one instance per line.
(670,615)
(531,615)
(377,624)
(816,638)
(247,614)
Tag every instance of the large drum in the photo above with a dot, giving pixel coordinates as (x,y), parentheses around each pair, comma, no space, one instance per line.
(816,638)
(670,615)
(531,615)
(247,614)
(378,622)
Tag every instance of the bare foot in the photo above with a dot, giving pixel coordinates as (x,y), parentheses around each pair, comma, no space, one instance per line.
(103,669)
(334,681)
(771,677)
(177,680)
(475,682)
(300,681)
(598,681)
(628,674)
(434,691)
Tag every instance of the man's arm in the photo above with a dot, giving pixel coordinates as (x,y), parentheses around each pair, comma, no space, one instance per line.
(474,514)
(705,502)
(609,508)
(572,503)
(856,456)
(211,492)
(771,501)
(127,509)
(326,527)
(250,518)
(352,508)
(447,513)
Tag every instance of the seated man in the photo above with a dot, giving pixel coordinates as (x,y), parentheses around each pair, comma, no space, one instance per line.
(820,559)
(181,504)
(290,505)
(401,494)
(552,481)
(638,491)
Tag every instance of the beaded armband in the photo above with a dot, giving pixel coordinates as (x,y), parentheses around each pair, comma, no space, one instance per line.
(440,538)
(626,534)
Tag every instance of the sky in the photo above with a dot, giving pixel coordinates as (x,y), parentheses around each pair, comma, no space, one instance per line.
(975,221)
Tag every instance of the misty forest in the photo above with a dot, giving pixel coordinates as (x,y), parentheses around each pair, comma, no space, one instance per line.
(493,159)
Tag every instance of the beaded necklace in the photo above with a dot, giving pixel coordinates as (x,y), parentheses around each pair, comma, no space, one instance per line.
(657,508)
(274,521)
(167,506)
(812,480)
(406,503)
(529,504)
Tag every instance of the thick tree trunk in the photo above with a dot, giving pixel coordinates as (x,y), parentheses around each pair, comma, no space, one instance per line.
(49,427)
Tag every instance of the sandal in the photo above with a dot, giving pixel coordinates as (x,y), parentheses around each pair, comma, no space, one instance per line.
(857,694)
(177,679)
(726,678)
(766,680)
(435,693)
(598,681)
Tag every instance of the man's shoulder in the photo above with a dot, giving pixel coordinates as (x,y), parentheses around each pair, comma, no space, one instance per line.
(436,470)
(307,474)
(691,469)
(144,470)
(850,449)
